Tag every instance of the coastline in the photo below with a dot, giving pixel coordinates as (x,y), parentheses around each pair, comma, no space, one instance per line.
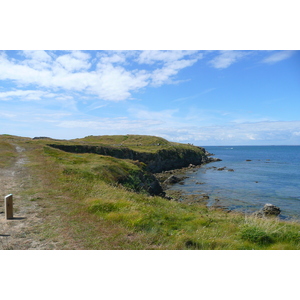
(202,198)
(181,195)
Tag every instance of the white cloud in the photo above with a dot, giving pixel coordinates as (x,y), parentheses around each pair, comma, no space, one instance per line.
(37,55)
(7,115)
(164,124)
(248,133)
(24,95)
(278,56)
(226,58)
(74,61)
(115,83)
(109,81)
(153,56)
(114,58)
(164,75)
(110,125)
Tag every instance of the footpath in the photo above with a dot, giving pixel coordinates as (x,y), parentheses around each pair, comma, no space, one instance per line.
(21,232)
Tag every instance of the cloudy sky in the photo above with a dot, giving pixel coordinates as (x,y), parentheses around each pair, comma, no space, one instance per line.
(201,97)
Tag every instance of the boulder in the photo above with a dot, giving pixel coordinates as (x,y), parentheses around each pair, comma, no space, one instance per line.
(172,179)
(271,210)
(268,210)
(212,159)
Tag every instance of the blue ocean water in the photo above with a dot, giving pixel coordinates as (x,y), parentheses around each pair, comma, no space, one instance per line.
(262,174)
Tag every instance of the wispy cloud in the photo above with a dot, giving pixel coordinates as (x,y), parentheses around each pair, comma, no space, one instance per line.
(22,95)
(182,99)
(278,56)
(159,56)
(161,116)
(226,59)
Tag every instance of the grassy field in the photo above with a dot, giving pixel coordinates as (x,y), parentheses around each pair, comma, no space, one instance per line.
(86,205)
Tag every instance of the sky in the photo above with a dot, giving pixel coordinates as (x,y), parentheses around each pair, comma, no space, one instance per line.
(191,96)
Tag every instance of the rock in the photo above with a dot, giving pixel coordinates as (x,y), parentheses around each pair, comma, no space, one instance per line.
(258,214)
(248,160)
(267,211)
(191,166)
(230,170)
(221,169)
(271,210)
(213,159)
(172,179)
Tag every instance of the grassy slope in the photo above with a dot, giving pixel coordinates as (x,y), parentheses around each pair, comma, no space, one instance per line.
(84,207)
(139,143)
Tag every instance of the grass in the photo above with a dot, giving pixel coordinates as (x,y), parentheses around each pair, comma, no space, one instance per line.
(85,206)
(7,154)
(139,143)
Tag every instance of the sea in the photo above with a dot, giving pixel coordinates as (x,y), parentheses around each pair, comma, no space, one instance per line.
(248,177)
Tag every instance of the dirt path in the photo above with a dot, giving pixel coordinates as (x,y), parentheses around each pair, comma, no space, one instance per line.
(21,232)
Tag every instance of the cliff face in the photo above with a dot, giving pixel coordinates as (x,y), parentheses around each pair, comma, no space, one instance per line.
(162,160)
(156,162)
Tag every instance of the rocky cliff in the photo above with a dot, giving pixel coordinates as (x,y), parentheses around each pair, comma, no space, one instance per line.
(162,160)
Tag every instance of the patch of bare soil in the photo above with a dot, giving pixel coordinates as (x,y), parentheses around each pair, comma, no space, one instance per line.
(21,232)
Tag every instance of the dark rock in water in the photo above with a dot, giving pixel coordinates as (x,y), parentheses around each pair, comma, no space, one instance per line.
(267,211)
(230,170)
(212,159)
(248,160)
(221,169)
(172,180)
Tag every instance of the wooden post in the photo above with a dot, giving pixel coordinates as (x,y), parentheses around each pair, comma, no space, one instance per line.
(9,206)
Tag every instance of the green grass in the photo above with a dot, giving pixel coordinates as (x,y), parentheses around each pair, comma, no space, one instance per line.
(7,153)
(139,143)
(173,225)
(88,204)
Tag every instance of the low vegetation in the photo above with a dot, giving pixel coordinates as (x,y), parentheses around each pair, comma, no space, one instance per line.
(7,153)
(93,201)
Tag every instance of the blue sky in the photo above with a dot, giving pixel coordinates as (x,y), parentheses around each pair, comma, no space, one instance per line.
(200,97)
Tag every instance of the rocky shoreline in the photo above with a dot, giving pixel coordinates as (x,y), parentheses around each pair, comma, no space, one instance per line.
(168,178)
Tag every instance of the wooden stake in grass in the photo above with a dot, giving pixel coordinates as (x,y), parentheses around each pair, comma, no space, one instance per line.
(8,202)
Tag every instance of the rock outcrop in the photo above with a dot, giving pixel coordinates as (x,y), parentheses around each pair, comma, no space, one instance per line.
(162,160)
(172,180)
(269,210)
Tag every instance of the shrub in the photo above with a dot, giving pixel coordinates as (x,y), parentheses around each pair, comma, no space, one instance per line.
(256,235)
